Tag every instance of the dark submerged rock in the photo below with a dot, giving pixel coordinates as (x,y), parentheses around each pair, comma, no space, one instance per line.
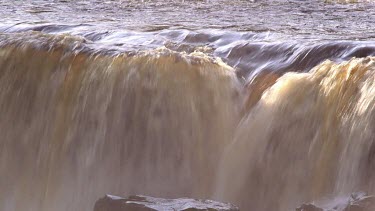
(147,203)
(308,207)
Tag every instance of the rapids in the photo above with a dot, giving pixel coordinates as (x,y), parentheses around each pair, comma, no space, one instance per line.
(97,99)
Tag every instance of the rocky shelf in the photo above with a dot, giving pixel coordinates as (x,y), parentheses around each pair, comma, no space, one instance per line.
(147,203)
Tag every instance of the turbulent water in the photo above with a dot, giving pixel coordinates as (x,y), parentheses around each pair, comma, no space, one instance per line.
(264,104)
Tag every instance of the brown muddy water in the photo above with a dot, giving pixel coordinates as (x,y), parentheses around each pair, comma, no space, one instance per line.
(266,104)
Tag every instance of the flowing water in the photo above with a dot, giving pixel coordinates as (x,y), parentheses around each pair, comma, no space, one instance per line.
(266,104)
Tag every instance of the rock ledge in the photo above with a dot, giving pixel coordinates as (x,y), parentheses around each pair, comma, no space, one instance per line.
(147,203)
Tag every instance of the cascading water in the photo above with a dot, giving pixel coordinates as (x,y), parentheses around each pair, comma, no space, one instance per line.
(310,135)
(244,108)
(75,125)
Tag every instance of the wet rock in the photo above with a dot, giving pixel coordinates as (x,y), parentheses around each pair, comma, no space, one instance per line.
(309,207)
(355,202)
(147,203)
